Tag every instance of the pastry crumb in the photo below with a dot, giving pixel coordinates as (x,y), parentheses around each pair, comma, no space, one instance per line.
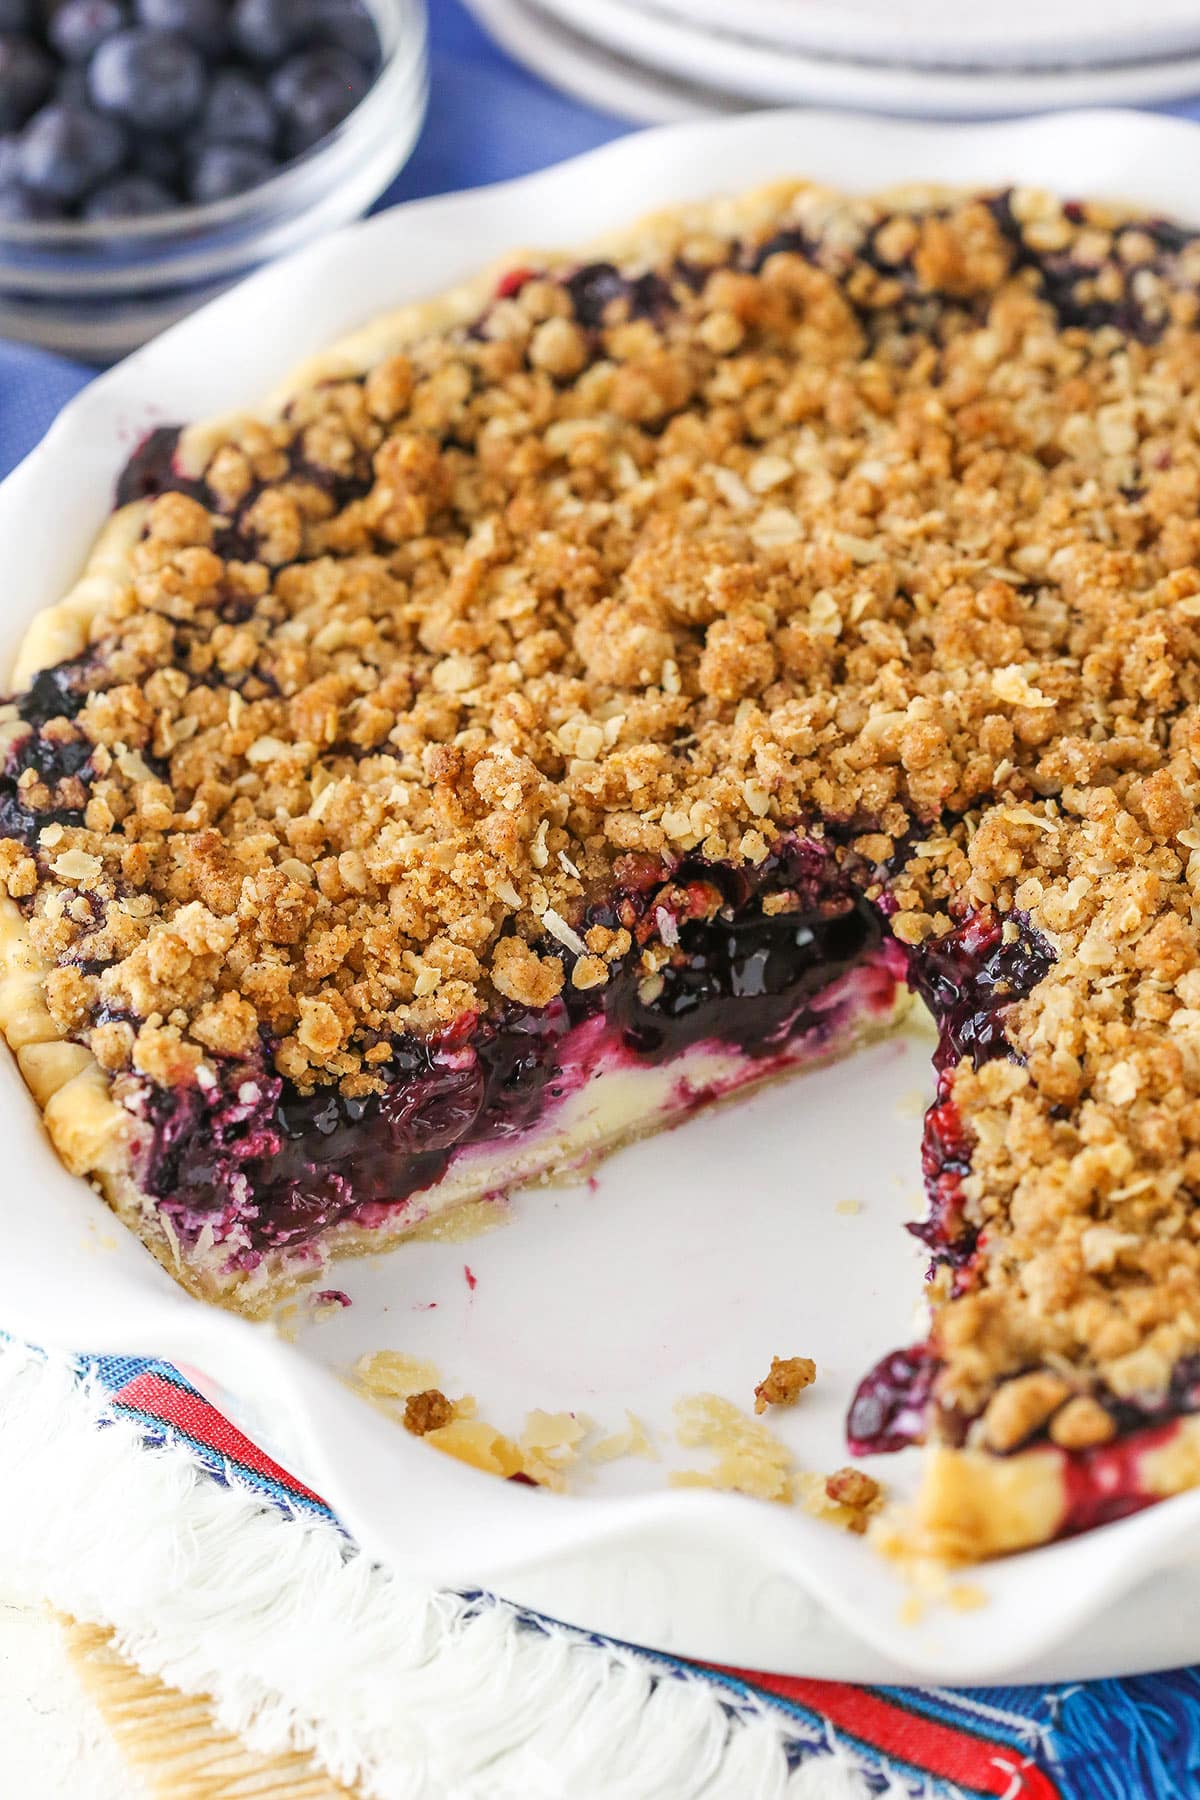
(285,1321)
(857,1494)
(848,1498)
(852,1487)
(635,1440)
(931,1584)
(391,1375)
(427,1411)
(913,1608)
(749,1458)
(550,1445)
(479,1444)
(543,1456)
(785,1381)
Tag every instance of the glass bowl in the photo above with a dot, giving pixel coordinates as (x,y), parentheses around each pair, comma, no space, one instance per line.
(97,291)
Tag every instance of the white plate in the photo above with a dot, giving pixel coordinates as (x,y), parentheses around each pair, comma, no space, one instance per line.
(762,74)
(700,1254)
(964,34)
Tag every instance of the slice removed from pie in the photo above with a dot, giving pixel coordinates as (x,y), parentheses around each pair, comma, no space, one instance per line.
(630,679)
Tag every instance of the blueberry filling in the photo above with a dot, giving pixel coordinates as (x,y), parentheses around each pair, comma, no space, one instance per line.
(53,752)
(1070,286)
(889,1406)
(150,471)
(57,693)
(259,1161)
(283,1165)
(908,303)
(594,287)
(1133,1412)
(967,978)
(784,243)
(738,973)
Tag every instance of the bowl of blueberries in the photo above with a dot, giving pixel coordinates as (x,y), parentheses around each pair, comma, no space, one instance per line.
(152,152)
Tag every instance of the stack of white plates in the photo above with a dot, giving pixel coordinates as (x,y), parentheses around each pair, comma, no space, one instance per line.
(655,60)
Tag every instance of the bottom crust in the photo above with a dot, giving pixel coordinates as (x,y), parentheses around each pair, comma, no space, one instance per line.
(973,1505)
(617,1106)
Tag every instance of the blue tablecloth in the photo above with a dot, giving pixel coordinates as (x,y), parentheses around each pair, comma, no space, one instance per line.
(1113,1740)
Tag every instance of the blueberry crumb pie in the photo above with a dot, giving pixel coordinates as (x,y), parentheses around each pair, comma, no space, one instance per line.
(623,682)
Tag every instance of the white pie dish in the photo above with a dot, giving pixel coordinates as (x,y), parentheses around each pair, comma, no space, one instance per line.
(579,1302)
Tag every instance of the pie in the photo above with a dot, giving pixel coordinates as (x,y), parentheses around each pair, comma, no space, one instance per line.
(621,682)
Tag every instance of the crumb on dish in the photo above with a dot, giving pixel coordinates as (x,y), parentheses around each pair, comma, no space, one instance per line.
(392,1375)
(749,1458)
(785,1381)
(634,1440)
(427,1411)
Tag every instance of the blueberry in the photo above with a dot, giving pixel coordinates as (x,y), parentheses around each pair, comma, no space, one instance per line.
(239,111)
(160,158)
(266,31)
(66,152)
(204,23)
(18,206)
(347,25)
(314,92)
(18,15)
(80,26)
(71,88)
(222,170)
(26,77)
(152,80)
(129,197)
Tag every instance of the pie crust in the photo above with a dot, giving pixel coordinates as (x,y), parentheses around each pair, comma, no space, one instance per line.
(961,668)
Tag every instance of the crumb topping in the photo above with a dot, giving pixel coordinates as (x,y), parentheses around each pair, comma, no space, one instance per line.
(857,1494)
(784,1382)
(889,518)
(427,1411)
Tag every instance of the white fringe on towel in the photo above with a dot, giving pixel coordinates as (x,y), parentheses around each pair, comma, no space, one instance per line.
(303,1643)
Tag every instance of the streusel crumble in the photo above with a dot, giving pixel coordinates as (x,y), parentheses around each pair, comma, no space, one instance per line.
(635,677)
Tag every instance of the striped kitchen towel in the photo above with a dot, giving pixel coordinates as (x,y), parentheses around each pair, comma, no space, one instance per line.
(1137,1739)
